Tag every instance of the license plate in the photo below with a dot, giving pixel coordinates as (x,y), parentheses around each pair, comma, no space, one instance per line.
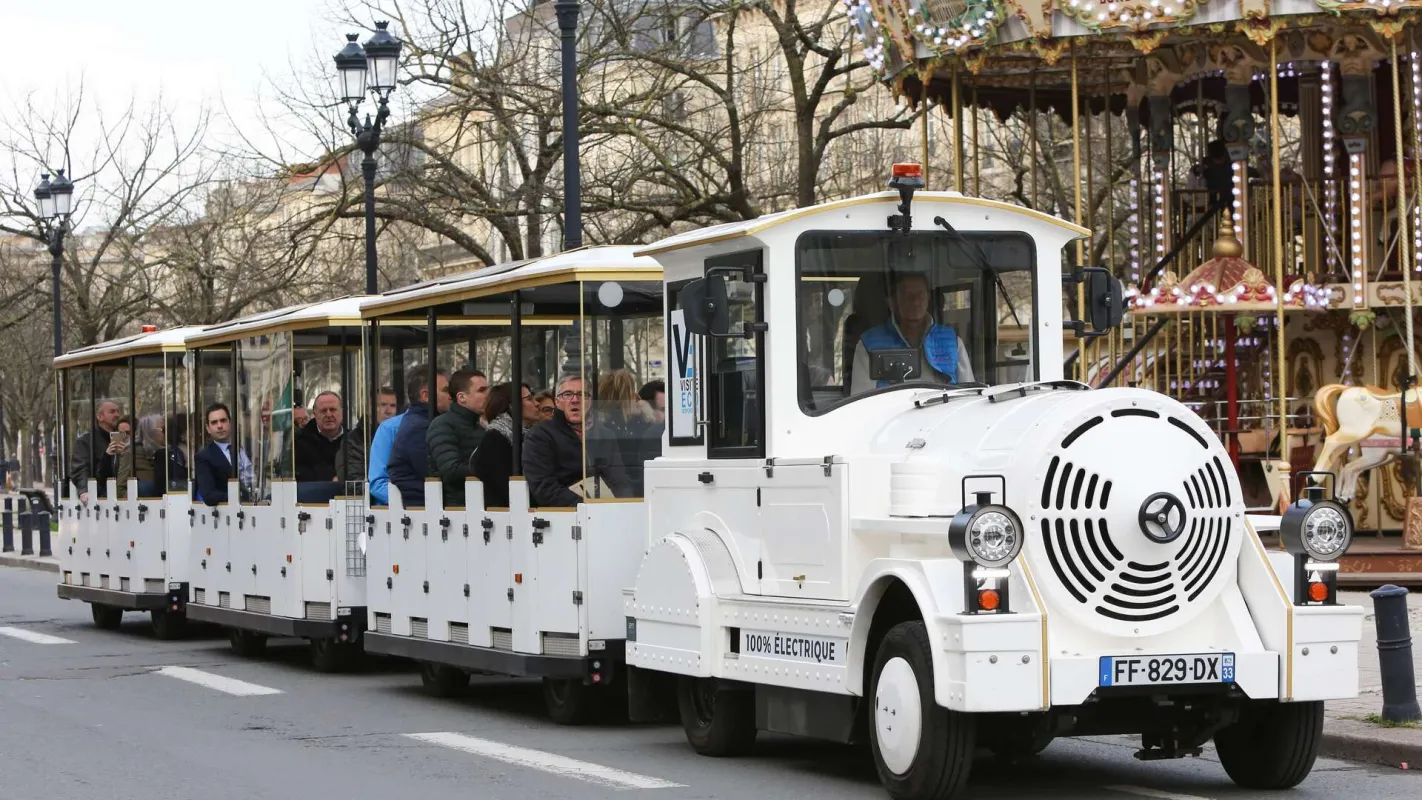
(1156,670)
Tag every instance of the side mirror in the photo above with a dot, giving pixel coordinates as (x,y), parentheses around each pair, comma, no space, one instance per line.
(1105,300)
(706,306)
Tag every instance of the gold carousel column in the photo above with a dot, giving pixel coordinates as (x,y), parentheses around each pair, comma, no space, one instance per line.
(958,165)
(1311,155)
(977,150)
(1281,373)
(1412,521)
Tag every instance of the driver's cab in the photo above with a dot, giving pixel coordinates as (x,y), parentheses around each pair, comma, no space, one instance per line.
(795,337)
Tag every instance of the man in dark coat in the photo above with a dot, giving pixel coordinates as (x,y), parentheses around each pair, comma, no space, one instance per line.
(318,443)
(409,456)
(213,465)
(453,437)
(553,453)
(91,457)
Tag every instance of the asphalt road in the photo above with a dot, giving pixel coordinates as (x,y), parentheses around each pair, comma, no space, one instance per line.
(86,713)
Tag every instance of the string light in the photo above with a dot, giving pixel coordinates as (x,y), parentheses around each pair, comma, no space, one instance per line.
(1135,227)
(1416,120)
(1355,227)
(1158,182)
(1330,187)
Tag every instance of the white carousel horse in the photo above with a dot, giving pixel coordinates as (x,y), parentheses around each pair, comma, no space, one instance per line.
(1366,419)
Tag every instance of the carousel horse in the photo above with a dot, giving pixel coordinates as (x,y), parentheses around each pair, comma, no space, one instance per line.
(1367,418)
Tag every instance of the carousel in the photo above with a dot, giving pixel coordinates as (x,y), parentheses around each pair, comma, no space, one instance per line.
(1238,164)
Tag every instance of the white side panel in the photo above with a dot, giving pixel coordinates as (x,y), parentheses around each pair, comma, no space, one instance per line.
(313,543)
(447,560)
(675,612)
(556,576)
(614,537)
(802,517)
(678,500)
(1266,597)
(523,565)
(490,567)
(179,533)
(379,597)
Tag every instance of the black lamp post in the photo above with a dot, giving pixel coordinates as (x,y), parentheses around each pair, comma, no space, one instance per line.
(572,176)
(56,201)
(369,68)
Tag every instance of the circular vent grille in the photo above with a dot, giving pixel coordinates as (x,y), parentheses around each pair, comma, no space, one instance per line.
(1099,483)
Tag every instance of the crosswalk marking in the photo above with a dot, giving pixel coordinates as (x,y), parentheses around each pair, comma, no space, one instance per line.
(1141,791)
(230,686)
(32,637)
(546,762)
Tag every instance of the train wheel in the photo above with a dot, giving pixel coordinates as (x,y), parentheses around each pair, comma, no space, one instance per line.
(246,643)
(719,721)
(106,617)
(1272,745)
(168,625)
(922,751)
(329,655)
(441,680)
(570,701)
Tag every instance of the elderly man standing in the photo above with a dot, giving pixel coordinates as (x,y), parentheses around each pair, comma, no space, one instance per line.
(553,453)
(319,441)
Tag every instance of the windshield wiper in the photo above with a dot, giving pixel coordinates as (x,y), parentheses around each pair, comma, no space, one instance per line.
(983,265)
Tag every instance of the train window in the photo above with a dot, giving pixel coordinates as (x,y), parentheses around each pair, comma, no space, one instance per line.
(878,310)
(735,370)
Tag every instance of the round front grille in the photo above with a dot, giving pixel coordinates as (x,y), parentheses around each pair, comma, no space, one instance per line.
(1137,519)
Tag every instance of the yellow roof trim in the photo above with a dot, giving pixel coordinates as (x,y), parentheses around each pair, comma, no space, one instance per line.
(776,220)
(565,275)
(69,360)
(232,335)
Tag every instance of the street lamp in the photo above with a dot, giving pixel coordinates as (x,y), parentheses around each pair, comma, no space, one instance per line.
(362,69)
(56,200)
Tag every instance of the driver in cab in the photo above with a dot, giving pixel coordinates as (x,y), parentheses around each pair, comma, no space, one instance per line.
(942,356)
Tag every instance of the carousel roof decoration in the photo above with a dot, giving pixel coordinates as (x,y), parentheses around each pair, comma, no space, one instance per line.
(1135,15)
(1227,282)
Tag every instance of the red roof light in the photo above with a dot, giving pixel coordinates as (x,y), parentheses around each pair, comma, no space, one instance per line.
(908,170)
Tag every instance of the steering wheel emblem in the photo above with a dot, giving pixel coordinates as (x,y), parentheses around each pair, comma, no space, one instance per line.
(1162,518)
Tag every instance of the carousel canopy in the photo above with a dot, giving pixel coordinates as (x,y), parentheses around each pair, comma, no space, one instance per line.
(1227,282)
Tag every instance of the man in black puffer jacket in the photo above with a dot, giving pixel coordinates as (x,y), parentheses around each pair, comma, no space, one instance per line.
(318,442)
(453,437)
(553,453)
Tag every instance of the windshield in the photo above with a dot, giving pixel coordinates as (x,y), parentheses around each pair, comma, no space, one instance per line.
(880,309)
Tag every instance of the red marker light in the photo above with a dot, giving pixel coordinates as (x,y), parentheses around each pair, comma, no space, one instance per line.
(988,600)
(908,170)
(1317,592)
(150,328)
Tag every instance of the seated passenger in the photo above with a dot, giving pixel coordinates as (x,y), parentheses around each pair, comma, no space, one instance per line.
(409,455)
(318,443)
(553,454)
(452,438)
(943,358)
(350,462)
(93,452)
(493,463)
(149,461)
(377,473)
(626,424)
(214,462)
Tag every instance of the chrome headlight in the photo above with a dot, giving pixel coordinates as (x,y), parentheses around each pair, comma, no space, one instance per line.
(990,535)
(1319,529)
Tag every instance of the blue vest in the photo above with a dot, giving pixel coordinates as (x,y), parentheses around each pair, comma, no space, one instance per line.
(940,346)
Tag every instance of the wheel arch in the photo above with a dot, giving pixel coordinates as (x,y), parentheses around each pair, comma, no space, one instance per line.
(894,594)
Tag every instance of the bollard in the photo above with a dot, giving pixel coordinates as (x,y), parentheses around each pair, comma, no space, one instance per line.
(7,524)
(43,526)
(1395,654)
(27,533)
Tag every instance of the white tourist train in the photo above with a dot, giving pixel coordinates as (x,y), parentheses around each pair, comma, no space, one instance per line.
(928,548)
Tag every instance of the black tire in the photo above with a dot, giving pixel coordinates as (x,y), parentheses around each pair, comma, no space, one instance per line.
(1272,745)
(571,702)
(106,617)
(329,655)
(943,757)
(246,643)
(718,721)
(441,680)
(169,625)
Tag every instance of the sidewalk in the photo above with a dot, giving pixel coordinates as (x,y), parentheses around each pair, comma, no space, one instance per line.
(1347,734)
(47,564)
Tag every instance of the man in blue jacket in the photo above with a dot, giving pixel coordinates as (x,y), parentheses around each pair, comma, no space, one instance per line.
(943,358)
(409,456)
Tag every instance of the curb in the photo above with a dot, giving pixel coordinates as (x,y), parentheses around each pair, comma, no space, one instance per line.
(29,562)
(1350,740)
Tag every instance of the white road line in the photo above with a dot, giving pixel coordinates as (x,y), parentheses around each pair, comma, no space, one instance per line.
(231,686)
(32,637)
(1141,791)
(547,762)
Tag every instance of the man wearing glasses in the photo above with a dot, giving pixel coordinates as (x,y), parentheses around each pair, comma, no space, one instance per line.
(553,454)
